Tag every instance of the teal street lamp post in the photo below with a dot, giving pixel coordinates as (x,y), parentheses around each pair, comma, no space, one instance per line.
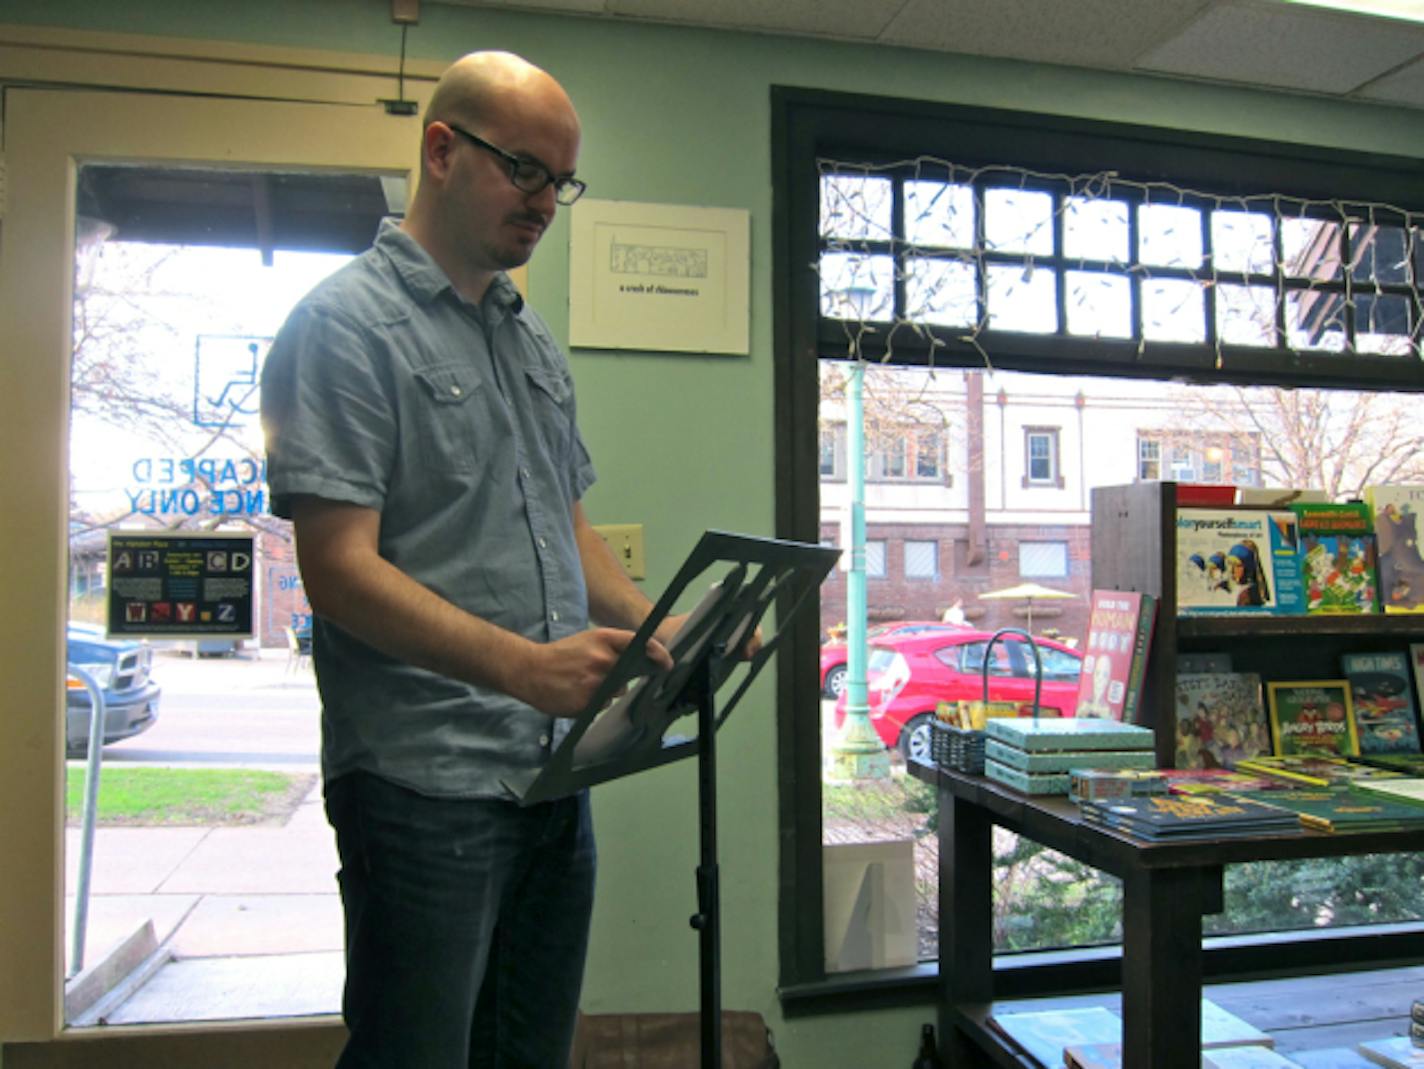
(858,752)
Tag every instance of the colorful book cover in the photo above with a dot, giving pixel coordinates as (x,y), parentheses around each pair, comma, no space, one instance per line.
(1115,656)
(1171,816)
(1314,770)
(1312,717)
(1216,780)
(1226,559)
(1395,513)
(1382,701)
(1406,790)
(1338,559)
(1220,720)
(1343,808)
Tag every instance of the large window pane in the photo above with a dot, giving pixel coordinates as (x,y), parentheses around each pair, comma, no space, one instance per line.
(857,287)
(1169,236)
(940,214)
(1023,299)
(1017,220)
(855,207)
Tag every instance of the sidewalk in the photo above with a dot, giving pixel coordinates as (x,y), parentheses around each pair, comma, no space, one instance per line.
(251,915)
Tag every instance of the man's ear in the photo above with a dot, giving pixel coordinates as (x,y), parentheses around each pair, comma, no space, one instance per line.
(437,146)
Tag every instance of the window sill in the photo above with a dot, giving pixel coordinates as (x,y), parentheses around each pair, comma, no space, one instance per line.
(1063,972)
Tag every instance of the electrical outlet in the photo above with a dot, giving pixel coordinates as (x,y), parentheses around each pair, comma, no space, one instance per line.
(626,541)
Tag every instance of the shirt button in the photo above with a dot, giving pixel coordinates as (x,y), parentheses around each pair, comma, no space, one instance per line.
(454,391)
(543,543)
(524,472)
(543,740)
(554,616)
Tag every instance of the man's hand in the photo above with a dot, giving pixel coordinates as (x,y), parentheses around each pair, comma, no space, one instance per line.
(562,676)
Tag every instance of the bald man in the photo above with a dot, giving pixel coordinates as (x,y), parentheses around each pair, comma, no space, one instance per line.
(422,438)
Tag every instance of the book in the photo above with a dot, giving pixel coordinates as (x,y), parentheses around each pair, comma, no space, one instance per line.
(1216,780)
(1396,1052)
(1312,717)
(1338,558)
(1120,626)
(1406,764)
(1069,733)
(1337,809)
(1220,720)
(1406,790)
(1394,510)
(1314,770)
(1065,760)
(1027,782)
(1226,560)
(1382,702)
(1178,817)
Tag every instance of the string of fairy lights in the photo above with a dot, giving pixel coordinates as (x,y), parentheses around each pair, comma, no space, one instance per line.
(949,253)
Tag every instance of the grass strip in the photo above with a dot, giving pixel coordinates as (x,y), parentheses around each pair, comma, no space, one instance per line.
(188,796)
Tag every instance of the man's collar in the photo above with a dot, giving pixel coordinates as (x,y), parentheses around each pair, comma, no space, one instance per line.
(424,277)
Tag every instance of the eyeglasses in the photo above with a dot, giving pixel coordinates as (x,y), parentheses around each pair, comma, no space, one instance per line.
(528,176)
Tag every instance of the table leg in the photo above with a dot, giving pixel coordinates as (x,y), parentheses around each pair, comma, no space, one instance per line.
(1162,964)
(966,936)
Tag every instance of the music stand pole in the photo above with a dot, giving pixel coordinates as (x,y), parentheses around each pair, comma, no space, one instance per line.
(708,918)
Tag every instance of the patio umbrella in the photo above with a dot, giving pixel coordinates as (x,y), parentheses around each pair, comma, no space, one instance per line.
(1027,592)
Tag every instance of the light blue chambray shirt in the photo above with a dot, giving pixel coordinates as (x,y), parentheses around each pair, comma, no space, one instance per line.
(386,389)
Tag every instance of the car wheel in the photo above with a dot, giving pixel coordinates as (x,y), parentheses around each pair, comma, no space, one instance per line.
(835,681)
(915,742)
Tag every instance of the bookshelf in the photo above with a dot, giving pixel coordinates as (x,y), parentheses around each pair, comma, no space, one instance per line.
(1134,548)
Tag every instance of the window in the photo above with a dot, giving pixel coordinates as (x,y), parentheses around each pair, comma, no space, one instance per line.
(1041,457)
(875,559)
(1043,560)
(1001,259)
(921,560)
(1203,456)
(906,454)
(832,452)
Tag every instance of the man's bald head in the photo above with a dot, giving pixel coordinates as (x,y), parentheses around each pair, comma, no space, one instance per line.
(481,86)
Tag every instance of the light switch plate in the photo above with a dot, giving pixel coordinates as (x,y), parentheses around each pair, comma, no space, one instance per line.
(626,541)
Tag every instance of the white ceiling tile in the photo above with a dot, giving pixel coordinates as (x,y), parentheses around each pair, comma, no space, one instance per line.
(1287,46)
(1404,86)
(1110,34)
(853,19)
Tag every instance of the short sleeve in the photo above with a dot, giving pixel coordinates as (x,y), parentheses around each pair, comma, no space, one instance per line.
(328,412)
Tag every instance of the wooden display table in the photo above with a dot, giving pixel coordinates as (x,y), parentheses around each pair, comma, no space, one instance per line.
(1167,887)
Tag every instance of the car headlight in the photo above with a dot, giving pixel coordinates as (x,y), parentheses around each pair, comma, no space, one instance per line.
(102,674)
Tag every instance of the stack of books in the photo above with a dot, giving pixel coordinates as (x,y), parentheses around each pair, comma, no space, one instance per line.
(1343,808)
(1178,817)
(1036,755)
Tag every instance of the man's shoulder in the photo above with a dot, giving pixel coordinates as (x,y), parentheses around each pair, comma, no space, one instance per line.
(367,289)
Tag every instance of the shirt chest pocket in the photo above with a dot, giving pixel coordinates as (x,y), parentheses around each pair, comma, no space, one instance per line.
(551,399)
(450,417)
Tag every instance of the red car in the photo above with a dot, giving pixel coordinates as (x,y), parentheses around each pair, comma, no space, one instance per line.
(833,653)
(909,678)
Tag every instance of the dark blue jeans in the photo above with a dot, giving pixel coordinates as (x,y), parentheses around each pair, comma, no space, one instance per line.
(466,927)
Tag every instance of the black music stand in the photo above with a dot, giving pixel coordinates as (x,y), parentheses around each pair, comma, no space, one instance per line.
(613,738)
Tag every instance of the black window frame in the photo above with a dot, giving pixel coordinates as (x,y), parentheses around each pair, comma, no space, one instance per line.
(808,125)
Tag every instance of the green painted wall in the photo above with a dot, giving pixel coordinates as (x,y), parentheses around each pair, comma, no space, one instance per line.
(685,443)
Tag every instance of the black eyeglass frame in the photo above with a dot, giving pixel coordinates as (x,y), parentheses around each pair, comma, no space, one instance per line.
(566,189)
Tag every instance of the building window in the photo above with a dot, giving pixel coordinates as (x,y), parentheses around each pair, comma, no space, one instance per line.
(1043,560)
(1200,456)
(1041,457)
(906,455)
(832,452)
(1149,459)
(921,560)
(875,559)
